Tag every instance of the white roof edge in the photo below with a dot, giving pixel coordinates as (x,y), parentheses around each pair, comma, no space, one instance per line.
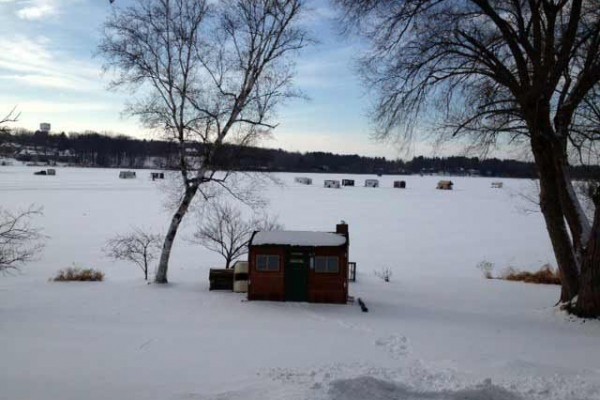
(298,238)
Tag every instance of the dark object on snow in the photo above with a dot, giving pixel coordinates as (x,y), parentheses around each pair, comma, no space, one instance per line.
(157,175)
(220,279)
(445,185)
(127,175)
(42,172)
(347,182)
(400,184)
(362,305)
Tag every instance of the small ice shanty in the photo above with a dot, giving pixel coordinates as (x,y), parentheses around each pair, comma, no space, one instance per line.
(303,180)
(445,185)
(400,184)
(299,266)
(329,183)
(497,185)
(157,175)
(127,175)
(372,183)
(347,182)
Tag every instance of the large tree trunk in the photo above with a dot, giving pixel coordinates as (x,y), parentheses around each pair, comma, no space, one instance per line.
(588,302)
(550,202)
(163,264)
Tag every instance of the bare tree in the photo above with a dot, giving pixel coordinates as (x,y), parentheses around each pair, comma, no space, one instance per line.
(497,72)
(20,241)
(211,74)
(138,247)
(224,230)
(12,116)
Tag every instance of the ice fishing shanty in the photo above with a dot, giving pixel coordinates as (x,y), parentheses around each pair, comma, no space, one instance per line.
(373,183)
(299,266)
(332,184)
(445,185)
(303,180)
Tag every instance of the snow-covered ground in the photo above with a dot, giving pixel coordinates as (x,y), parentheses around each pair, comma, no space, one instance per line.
(438,330)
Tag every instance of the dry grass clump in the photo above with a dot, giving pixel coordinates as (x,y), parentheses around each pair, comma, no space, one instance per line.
(74,274)
(545,275)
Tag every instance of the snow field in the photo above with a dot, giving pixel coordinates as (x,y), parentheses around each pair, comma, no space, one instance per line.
(438,330)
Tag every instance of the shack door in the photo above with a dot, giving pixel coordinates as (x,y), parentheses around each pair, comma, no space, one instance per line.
(296,276)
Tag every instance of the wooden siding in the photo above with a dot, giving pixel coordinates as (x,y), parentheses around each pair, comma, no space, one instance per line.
(322,287)
(266,285)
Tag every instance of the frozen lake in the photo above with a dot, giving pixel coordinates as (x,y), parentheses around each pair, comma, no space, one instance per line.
(437,329)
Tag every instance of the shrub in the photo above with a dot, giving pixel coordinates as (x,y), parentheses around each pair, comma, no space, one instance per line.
(384,273)
(78,274)
(545,275)
(486,268)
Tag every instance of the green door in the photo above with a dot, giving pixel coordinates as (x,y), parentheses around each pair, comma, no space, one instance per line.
(296,277)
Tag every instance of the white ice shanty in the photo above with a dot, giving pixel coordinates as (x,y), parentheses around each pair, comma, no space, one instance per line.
(373,183)
(303,180)
(330,183)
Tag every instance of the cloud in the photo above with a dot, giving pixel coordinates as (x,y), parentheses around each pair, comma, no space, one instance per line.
(56,107)
(53,82)
(34,62)
(39,10)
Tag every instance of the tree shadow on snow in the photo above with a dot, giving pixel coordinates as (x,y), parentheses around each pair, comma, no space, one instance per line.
(365,387)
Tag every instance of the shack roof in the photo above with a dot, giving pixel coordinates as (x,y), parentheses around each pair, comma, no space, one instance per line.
(298,238)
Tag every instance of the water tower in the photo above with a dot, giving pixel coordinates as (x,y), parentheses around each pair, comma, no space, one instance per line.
(45,127)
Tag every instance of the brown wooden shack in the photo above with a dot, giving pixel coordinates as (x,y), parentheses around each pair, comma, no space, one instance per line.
(299,266)
(445,185)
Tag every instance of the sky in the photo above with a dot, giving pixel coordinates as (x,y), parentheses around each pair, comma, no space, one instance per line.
(49,71)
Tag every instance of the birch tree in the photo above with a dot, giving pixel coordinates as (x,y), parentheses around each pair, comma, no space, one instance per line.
(208,75)
(498,72)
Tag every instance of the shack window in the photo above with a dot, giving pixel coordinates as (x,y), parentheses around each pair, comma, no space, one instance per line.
(327,265)
(267,263)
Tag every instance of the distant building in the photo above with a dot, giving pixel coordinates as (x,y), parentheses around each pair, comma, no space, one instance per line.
(45,127)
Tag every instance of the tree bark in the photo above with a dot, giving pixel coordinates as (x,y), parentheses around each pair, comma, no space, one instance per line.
(550,203)
(163,264)
(588,302)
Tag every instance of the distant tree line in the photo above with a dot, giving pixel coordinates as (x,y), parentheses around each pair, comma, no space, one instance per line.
(103,150)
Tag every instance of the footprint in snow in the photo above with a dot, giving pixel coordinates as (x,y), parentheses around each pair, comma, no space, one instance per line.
(395,345)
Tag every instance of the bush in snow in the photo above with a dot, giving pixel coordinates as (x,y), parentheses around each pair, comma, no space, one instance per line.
(78,275)
(384,273)
(486,267)
(545,275)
